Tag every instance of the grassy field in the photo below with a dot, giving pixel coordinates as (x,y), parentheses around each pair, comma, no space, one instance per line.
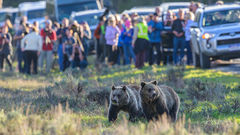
(76,102)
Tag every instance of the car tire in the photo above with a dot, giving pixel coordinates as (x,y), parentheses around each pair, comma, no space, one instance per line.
(204,61)
(196,61)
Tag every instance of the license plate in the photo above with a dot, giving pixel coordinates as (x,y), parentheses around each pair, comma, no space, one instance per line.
(230,47)
(234,47)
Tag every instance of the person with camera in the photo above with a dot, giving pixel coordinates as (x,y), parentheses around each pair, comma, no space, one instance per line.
(155,28)
(61,36)
(78,57)
(87,35)
(5,48)
(68,44)
(31,46)
(49,36)
(21,32)
(99,35)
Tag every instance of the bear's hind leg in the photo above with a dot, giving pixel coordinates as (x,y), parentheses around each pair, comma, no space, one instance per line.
(174,112)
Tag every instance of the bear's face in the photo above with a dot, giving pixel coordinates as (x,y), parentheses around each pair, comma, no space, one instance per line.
(119,95)
(149,91)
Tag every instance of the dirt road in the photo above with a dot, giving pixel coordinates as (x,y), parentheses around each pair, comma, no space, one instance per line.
(227,66)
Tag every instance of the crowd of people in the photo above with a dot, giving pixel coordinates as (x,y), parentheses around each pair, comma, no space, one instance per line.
(36,48)
(119,40)
(138,39)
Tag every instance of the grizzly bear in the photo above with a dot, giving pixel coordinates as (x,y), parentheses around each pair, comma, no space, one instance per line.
(157,100)
(127,99)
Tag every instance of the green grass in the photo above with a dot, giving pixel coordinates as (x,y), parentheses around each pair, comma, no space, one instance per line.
(15,81)
(228,79)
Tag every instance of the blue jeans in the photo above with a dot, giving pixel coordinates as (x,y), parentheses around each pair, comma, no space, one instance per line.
(189,53)
(20,60)
(81,64)
(85,46)
(128,53)
(48,57)
(60,57)
(151,53)
(178,43)
(66,58)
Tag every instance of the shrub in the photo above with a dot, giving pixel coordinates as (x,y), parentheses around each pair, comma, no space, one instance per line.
(230,105)
(174,77)
(99,96)
(205,90)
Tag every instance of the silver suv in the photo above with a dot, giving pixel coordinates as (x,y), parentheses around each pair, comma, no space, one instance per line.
(216,34)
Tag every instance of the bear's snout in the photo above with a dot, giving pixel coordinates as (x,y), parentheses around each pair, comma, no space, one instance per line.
(154,95)
(114,100)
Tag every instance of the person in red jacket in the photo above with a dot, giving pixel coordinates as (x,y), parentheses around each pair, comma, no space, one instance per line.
(99,34)
(48,36)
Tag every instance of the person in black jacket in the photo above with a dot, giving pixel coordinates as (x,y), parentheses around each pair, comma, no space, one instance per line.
(179,37)
(5,48)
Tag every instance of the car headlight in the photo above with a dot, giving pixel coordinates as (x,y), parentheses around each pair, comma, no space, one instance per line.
(207,36)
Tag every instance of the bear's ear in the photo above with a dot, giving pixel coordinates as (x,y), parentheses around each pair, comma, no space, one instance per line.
(113,87)
(143,84)
(154,82)
(124,88)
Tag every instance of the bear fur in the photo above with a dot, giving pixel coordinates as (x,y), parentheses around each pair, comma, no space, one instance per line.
(127,99)
(157,100)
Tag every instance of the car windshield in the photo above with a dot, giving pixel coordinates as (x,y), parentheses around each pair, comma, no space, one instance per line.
(177,7)
(91,19)
(141,13)
(221,17)
(2,17)
(33,14)
(144,13)
(66,10)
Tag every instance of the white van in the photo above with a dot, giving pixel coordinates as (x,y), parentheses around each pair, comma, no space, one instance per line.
(8,13)
(34,11)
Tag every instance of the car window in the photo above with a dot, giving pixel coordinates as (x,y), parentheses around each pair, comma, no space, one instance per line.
(38,13)
(2,17)
(177,7)
(221,17)
(91,19)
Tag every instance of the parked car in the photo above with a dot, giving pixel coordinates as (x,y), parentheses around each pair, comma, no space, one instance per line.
(34,11)
(142,11)
(59,9)
(92,18)
(8,13)
(216,34)
(174,5)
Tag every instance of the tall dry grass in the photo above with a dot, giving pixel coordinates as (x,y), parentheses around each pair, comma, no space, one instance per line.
(62,121)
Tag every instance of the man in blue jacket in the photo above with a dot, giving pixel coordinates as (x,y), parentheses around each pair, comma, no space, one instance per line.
(155,29)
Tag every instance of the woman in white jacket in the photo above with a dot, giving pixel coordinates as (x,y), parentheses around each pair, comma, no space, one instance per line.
(31,46)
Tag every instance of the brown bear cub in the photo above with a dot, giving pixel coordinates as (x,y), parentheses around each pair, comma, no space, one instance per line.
(157,100)
(127,99)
